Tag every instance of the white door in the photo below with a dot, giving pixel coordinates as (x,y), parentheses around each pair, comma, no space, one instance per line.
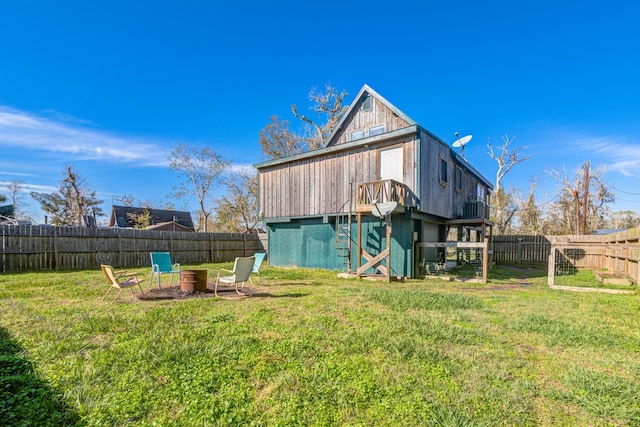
(391,161)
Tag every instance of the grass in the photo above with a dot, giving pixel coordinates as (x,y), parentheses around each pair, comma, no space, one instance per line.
(312,349)
(585,278)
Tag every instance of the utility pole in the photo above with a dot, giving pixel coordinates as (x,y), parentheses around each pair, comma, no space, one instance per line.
(586,197)
(575,196)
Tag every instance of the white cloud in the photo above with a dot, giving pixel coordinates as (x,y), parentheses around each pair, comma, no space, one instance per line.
(27,188)
(618,153)
(73,138)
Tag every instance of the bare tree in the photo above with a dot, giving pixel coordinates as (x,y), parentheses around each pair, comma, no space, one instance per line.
(529,213)
(585,192)
(503,206)
(126,200)
(16,196)
(328,105)
(237,211)
(199,169)
(278,140)
(624,219)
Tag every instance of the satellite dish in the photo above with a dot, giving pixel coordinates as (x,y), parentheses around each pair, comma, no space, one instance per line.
(382,210)
(461,142)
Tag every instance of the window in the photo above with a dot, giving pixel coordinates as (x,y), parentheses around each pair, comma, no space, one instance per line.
(359,134)
(458,179)
(367,103)
(481,193)
(443,171)
(376,130)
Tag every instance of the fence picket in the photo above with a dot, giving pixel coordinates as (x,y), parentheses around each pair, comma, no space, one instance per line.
(34,248)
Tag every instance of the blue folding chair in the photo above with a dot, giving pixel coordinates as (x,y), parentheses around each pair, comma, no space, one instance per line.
(161,264)
(259,257)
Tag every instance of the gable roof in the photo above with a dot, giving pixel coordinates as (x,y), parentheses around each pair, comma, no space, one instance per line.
(364,91)
(120,216)
(330,145)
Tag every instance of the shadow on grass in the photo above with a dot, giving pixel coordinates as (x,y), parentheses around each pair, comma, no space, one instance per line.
(25,398)
(225,292)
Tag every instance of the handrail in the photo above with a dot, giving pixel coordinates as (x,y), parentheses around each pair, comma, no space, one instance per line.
(387,190)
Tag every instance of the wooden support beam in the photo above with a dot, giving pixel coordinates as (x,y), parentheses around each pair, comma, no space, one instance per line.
(373,261)
(359,252)
(388,248)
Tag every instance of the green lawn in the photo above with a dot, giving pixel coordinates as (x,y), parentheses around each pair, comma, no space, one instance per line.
(312,349)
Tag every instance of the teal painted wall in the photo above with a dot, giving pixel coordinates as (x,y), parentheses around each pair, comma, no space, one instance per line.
(374,240)
(303,243)
(310,243)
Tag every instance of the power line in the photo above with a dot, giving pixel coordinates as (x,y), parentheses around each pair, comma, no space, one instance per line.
(622,191)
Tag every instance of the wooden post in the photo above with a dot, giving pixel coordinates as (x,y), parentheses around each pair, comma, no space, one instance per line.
(485,260)
(389,249)
(359,254)
(56,242)
(551,270)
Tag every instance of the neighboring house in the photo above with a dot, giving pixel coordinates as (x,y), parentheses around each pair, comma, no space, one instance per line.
(318,205)
(160,219)
(7,215)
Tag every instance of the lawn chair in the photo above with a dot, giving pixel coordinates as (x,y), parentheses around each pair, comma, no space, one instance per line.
(161,264)
(120,280)
(259,256)
(242,268)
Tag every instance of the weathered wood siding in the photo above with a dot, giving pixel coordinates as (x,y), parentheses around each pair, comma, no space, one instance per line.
(36,248)
(324,185)
(437,198)
(379,114)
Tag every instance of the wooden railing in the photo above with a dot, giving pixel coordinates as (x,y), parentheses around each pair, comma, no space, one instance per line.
(388,190)
(476,209)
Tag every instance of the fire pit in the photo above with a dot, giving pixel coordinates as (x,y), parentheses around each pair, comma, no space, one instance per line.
(193,280)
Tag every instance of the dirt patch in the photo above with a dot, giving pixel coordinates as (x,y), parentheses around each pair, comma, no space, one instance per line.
(175,293)
(496,287)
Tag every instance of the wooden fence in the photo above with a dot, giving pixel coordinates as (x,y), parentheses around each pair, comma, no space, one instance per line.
(619,253)
(35,248)
(511,249)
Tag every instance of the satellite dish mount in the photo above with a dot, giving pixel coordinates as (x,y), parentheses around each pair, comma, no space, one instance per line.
(383,210)
(461,142)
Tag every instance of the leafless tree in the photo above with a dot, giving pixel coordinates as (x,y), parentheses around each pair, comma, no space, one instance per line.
(199,169)
(237,211)
(278,140)
(328,105)
(16,196)
(502,203)
(569,208)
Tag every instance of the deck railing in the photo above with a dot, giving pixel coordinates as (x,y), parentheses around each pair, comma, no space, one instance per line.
(477,209)
(382,191)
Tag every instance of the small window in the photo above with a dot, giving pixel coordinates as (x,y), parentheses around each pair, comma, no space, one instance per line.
(367,103)
(376,130)
(359,134)
(481,193)
(458,179)
(443,171)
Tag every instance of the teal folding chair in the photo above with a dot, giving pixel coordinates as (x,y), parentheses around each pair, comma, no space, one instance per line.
(161,264)
(259,257)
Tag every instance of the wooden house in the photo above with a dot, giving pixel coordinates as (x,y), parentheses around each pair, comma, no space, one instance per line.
(318,205)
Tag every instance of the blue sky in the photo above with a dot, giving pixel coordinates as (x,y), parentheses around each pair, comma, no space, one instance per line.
(111,87)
